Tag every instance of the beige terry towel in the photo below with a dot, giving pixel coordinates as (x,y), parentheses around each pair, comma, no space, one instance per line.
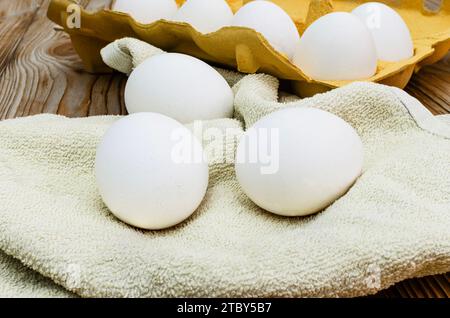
(393,224)
(16,280)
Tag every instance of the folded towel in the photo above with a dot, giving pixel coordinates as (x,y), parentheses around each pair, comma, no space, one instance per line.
(393,224)
(17,280)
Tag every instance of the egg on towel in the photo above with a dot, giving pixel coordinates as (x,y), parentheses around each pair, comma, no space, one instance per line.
(179,86)
(205,16)
(391,34)
(146,11)
(272,22)
(297,161)
(150,171)
(337,46)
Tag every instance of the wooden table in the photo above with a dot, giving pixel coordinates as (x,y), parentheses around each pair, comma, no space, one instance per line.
(41,73)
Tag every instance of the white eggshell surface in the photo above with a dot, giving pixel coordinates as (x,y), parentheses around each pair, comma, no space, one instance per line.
(337,46)
(150,171)
(297,161)
(205,15)
(391,34)
(272,22)
(179,86)
(146,11)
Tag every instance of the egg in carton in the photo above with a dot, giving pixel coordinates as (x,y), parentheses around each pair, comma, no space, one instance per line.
(246,50)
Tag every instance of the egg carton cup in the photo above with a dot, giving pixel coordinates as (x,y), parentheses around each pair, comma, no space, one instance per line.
(246,50)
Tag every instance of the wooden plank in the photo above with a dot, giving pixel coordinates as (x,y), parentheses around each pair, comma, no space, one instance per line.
(432,86)
(40,72)
(430,284)
(444,283)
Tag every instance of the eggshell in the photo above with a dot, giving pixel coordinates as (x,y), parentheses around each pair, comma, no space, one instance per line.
(297,161)
(391,34)
(337,46)
(150,171)
(205,15)
(272,22)
(146,11)
(179,86)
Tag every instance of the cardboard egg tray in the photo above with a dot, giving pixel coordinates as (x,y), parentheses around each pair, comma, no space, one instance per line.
(246,50)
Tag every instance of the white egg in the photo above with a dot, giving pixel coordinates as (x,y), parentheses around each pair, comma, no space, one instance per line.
(390,33)
(179,86)
(146,11)
(297,161)
(337,46)
(205,15)
(272,22)
(150,171)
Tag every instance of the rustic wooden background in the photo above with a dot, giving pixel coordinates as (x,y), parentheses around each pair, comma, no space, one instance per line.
(41,73)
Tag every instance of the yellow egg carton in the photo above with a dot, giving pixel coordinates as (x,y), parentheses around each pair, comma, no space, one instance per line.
(247,50)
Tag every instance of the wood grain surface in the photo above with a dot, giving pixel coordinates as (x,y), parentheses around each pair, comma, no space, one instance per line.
(41,73)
